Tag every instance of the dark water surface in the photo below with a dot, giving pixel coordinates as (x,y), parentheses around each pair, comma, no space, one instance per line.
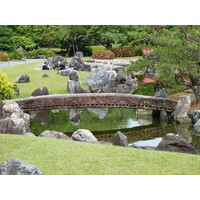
(103,123)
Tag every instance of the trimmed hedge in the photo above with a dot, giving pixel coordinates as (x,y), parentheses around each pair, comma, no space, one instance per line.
(103,54)
(46,52)
(123,51)
(4,57)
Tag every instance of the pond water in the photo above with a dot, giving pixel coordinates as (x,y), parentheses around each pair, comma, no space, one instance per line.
(103,123)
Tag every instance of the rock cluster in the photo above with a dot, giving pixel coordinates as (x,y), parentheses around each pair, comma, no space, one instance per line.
(73,84)
(55,63)
(110,82)
(14,121)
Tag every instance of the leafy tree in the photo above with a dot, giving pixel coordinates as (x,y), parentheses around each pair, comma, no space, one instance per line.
(177,54)
(6,38)
(26,43)
(73,35)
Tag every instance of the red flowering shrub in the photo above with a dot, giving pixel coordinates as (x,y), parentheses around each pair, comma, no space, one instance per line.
(4,56)
(103,54)
(147,51)
(123,51)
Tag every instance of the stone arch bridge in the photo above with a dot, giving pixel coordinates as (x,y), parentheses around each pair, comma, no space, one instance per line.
(96,100)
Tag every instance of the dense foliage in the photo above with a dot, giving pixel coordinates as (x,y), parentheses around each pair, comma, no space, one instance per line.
(46,52)
(15,55)
(6,87)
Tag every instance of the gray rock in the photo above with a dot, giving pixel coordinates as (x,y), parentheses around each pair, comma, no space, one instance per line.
(24,79)
(74,87)
(14,121)
(73,75)
(65,72)
(55,63)
(120,139)
(16,88)
(99,112)
(194,115)
(197,124)
(40,92)
(160,90)
(54,134)
(30,134)
(17,167)
(174,143)
(180,113)
(83,135)
(79,65)
(45,76)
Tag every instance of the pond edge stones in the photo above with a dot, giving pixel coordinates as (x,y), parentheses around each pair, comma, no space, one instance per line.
(84,135)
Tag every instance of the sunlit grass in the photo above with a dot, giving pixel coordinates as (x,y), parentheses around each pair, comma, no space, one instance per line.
(57,156)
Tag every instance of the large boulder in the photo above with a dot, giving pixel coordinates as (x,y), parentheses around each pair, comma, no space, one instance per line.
(40,92)
(83,135)
(14,121)
(79,65)
(120,139)
(73,84)
(55,63)
(54,134)
(181,111)
(174,143)
(24,79)
(18,167)
(194,115)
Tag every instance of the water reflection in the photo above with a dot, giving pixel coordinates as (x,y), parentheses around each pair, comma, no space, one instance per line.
(104,123)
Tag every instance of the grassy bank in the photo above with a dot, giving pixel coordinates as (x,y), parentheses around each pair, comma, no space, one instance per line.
(54,156)
(55,82)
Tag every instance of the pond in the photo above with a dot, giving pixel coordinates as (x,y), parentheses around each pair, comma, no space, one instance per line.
(104,122)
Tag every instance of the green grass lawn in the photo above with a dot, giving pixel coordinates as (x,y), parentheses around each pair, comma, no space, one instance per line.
(57,156)
(55,82)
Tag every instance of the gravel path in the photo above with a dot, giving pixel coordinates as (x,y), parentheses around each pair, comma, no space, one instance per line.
(18,62)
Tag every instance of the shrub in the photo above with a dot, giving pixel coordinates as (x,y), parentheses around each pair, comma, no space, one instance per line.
(147,51)
(34,53)
(123,51)
(26,43)
(103,54)
(6,87)
(4,57)
(16,55)
(96,48)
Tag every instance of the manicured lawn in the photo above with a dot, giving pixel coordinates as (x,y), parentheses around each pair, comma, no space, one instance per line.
(55,82)
(56,156)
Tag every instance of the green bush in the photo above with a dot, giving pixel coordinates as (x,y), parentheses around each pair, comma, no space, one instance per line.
(46,52)
(16,55)
(96,48)
(103,54)
(123,51)
(26,43)
(4,57)
(6,87)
